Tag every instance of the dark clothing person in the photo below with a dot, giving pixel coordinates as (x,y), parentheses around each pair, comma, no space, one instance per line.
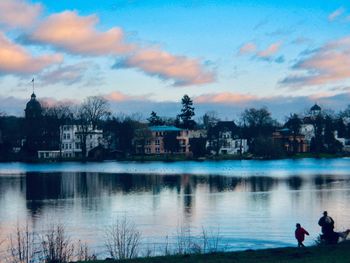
(300,235)
(327,227)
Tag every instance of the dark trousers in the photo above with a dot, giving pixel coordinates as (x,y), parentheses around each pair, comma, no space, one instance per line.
(300,243)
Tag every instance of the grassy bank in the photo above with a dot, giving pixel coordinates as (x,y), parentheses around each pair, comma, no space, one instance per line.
(323,254)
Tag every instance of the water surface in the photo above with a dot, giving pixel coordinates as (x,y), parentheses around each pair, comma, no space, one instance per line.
(254,204)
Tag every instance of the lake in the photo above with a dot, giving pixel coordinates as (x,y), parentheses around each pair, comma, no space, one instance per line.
(251,204)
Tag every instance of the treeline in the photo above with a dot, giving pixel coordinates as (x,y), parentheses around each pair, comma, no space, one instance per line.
(21,138)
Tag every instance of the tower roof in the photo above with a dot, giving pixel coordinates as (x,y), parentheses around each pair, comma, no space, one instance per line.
(315,108)
(33,107)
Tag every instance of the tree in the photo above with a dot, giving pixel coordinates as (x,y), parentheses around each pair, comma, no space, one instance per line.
(257,122)
(94,109)
(198,146)
(210,118)
(294,124)
(171,144)
(141,138)
(89,115)
(155,120)
(53,118)
(187,112)
(266,147)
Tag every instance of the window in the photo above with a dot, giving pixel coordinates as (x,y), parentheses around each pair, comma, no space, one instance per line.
(68,136)
(64,136)
(77,145)
(70,146)
(148,150)
(157,142)
(148,142)
(157,150)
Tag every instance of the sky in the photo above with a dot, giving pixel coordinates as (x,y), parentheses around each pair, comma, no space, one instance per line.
(145,55)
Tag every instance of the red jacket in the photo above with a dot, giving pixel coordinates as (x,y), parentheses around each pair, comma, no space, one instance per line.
(300,234)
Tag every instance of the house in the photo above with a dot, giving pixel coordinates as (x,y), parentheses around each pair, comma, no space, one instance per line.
(224,138)
(71,142)
(162,140)
(307,128)
(72,139)
(290,142)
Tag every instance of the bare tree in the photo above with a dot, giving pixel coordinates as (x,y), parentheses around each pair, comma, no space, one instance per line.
(56,246)
(21,248)
(83,252)
(88,115)
(122,239)
(94,109)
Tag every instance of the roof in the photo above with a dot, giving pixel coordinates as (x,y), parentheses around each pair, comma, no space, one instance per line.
(315,108)
(164,128)
(33,105)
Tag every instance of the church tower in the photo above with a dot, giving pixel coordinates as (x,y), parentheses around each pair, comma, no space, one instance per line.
(33,109)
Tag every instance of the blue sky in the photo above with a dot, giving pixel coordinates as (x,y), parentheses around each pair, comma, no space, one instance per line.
(224,54)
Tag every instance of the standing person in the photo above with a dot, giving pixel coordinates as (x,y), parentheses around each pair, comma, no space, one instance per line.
(327,225)
(300,235)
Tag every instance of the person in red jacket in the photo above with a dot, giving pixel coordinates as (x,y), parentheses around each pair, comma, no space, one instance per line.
(300,235)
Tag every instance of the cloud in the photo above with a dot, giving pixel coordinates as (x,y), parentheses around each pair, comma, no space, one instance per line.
(117,96)
(77,34)
(18,13)
(336,14)
(267,54)
(182,70)
(247,48)
(326,65)
(224,97)
(270,50)
(14,59)
(68,75)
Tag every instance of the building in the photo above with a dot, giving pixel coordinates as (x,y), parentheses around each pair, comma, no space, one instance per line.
(33,128)
(307,128)
(315,110)
(224,138)
(162,140)
(72,140)
(291,143)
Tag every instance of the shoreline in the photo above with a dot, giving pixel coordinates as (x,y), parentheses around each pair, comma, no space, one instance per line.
(321,254)
(180,158)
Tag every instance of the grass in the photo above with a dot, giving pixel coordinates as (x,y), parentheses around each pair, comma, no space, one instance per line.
(320,254)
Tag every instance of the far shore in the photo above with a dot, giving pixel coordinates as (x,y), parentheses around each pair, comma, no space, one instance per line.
(181,158)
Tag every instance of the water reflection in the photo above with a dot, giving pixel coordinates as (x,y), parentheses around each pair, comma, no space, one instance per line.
(40,186)
(261,210)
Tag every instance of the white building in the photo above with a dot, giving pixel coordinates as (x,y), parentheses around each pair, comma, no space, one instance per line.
(71,137)
(225,139)
(231,145)
(308,130)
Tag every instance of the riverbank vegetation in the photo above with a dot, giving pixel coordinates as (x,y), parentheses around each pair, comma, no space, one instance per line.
(124,243)
(335,253)
(254,135)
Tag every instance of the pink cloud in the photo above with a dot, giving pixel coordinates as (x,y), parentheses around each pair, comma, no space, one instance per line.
(247,48)
(77,34)
(329,64)
(117,96)
(15,59)
(224,97)
(336,14)
(270,50)
(183,70)
(18,13)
